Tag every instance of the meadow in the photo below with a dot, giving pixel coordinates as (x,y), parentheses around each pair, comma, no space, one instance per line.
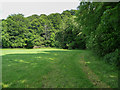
(55,68)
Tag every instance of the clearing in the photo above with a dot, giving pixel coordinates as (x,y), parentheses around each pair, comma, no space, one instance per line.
(55,68)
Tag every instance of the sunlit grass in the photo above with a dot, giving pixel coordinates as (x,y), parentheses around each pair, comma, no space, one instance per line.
(50,68)
(106,73)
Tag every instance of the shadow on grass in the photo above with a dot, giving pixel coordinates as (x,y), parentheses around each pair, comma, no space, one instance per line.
(29,58)
(48,68)
(22,69)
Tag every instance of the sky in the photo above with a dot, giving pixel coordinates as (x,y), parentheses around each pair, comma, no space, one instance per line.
(30,7)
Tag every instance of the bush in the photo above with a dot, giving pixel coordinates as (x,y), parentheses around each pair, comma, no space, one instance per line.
(29,44)
(71,45)
(113,58)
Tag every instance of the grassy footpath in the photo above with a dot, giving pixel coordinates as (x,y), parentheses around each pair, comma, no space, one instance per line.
(46,68)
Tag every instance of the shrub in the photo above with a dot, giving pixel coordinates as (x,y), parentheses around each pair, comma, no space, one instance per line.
(71,45)
(113,58)
(29,44)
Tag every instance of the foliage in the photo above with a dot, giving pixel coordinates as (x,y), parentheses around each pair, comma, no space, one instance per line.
(113,58)
(99,23)
(54,30)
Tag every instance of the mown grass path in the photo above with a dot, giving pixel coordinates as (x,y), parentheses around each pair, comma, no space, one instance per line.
(55,68)
(91,75)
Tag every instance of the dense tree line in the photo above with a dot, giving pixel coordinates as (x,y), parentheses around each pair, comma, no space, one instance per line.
(94,26)
(25,32)
(54,30)
(100,23)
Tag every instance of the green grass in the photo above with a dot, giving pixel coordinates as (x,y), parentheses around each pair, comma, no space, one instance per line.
(52,68)
(106,73)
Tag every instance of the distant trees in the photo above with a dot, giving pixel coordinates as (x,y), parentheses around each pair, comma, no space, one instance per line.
(69,35)
(14,29)
(21,32)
